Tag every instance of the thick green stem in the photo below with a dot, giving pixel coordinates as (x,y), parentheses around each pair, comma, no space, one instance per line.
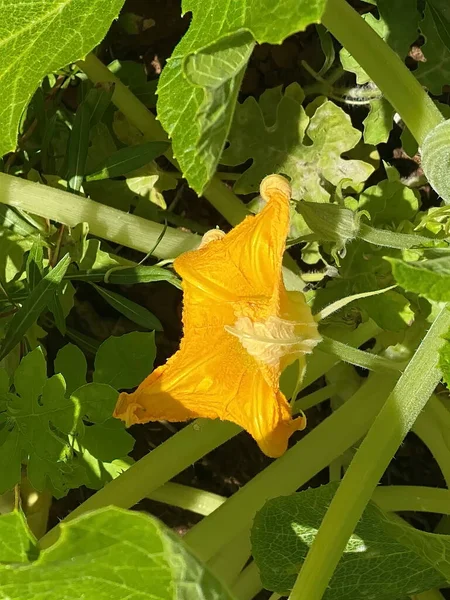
(187,446)
(394,421)
(104,221)
(189,498)
(384,67)
(395,498)
(248,584)
(220,196)
(157,467)
(314,452)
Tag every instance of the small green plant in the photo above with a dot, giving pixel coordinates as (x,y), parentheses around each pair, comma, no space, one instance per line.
(95,213)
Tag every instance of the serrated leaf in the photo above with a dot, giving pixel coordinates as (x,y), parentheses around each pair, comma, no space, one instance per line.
(32,307)
(32,417)
(131,310)
(285,528)
(429,278)
(198,87)
(307,150)
(114,554)
(17,543)
(435,72)
(123,362)
(32,47)
(127,159)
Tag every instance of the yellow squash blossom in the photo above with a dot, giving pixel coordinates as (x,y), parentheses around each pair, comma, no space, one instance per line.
(241,329)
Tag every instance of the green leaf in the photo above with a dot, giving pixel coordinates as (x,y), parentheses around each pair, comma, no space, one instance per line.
(17,544)
(114,554)
(71,363)
(379,122)
(397,25)
(108,440)
(97,401)
(127,159)
(123,362)
(36,421)
(444,361)
(436,159)
(32,307)
(307,150)
(39,39)
(441,14)
(435,72)
(285,528)
(12,248)
(198,87)
(35,265)
(135,312)
(77,150)
(389,203)
(429,278)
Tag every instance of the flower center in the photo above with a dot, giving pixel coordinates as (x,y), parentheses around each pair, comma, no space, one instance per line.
(275,338)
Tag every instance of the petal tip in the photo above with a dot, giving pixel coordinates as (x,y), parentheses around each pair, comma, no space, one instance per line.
(275,184)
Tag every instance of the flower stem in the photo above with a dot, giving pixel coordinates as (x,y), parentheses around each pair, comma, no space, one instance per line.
(218,194)
(384,67)
(104,221)
(396,418)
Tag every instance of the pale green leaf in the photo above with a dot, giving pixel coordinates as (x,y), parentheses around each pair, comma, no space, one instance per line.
(12,248)
(40,37)
(389,203)
(379,122)
(307,150)
(198,88)
(123,362)
(114,554)
(285,528)
(429,278)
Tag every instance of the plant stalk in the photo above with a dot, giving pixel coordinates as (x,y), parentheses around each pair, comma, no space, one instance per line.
(104,221)
(390,427)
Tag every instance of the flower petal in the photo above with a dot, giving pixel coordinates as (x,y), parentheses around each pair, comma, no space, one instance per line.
(247,261)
